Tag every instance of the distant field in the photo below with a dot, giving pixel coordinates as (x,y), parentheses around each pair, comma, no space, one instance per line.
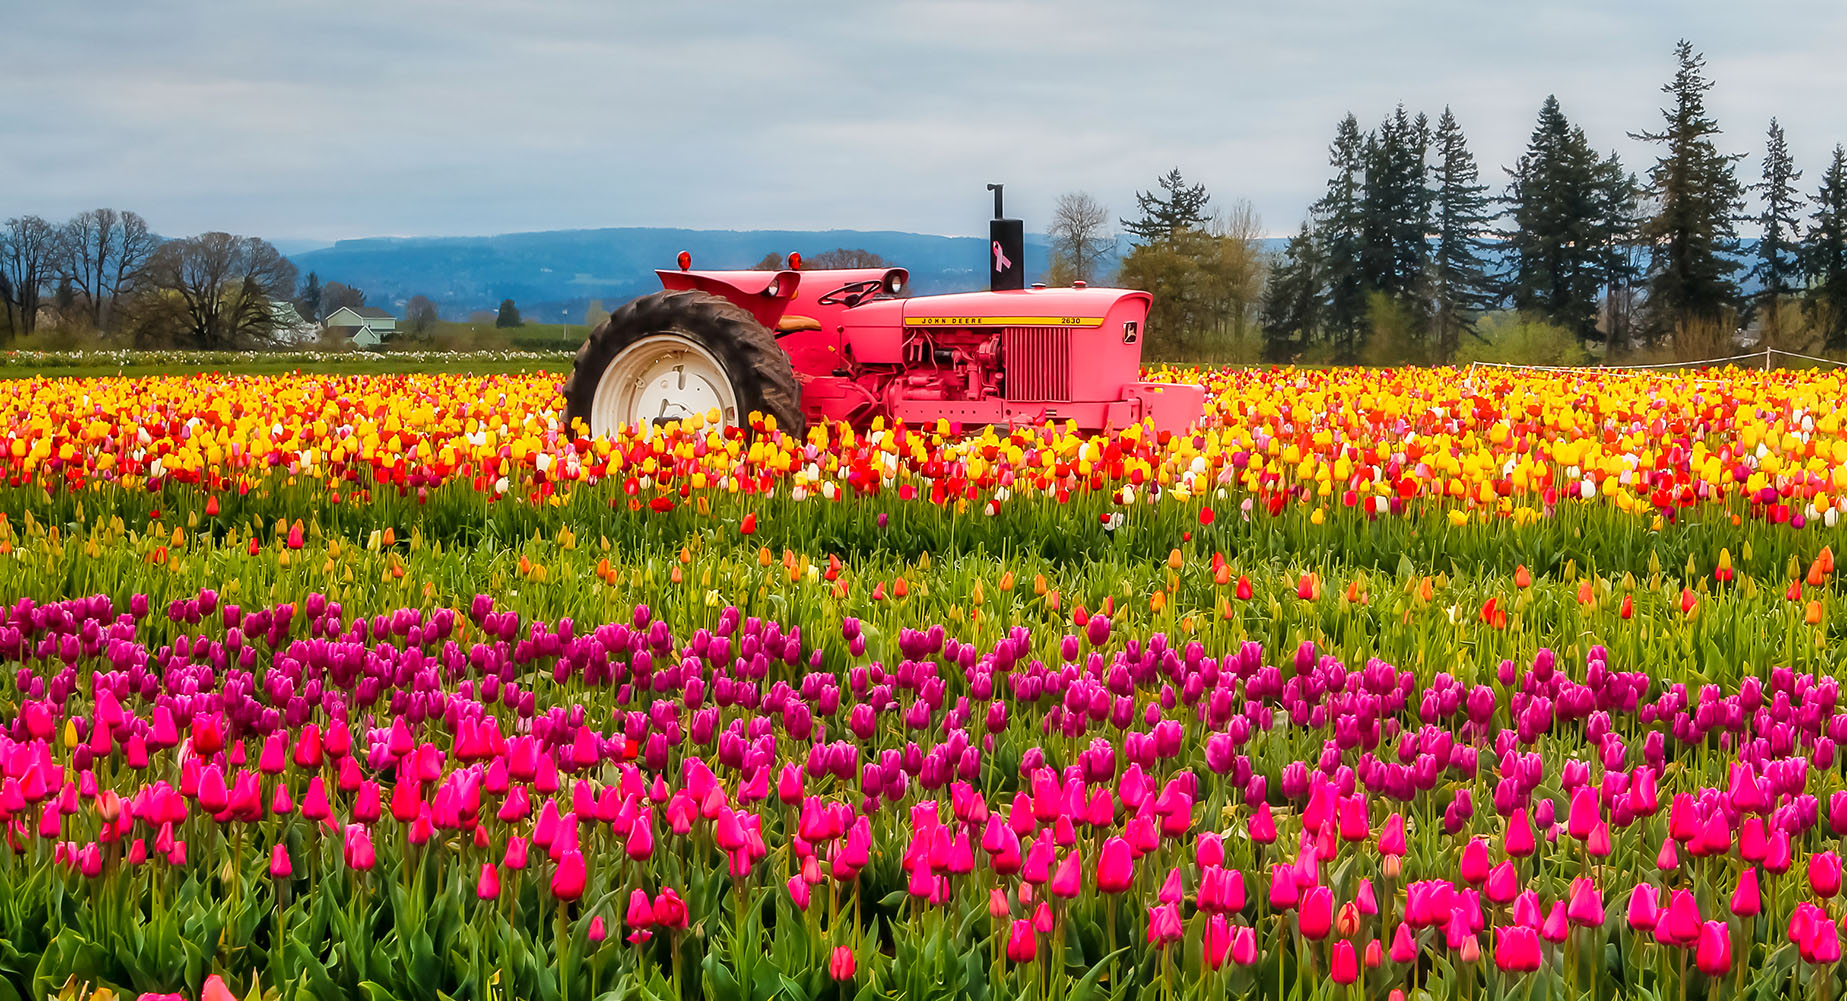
(57,364)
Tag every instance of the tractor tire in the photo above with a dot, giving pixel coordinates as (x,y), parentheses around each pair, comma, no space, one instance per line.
(757,370)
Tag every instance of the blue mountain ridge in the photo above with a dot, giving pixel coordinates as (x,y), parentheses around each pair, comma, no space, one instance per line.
(553,275)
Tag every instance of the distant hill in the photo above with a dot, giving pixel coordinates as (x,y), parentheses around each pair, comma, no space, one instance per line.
(553,275)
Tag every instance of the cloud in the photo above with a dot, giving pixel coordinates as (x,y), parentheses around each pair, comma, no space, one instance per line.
(335,119)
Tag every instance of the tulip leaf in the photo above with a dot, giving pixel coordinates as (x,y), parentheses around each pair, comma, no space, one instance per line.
(1086,987)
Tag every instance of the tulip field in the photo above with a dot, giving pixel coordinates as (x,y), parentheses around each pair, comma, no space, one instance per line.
(1419,683)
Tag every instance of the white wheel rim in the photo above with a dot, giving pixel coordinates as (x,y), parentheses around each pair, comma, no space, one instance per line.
(661,378)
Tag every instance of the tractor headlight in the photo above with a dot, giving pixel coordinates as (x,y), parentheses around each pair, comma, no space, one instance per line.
(773,288)
(894,284)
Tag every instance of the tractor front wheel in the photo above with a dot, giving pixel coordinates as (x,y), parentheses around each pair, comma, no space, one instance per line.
(676,356)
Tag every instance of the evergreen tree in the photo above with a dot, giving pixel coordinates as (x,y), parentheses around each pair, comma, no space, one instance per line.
(1293,300)
(1339,225)
(1617,228)
(1777,271)
(1692,232)
(508,315)
(308,303)
(1175,205)
(1824,255)
(1460,285)
(1554,205)
(1395,206)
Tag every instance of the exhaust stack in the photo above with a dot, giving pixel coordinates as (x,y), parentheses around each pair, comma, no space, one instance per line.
(1006,249)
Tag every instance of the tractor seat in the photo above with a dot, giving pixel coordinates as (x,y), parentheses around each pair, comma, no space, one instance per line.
(795,324)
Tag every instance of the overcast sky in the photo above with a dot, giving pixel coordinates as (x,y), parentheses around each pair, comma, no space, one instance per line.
(329,119)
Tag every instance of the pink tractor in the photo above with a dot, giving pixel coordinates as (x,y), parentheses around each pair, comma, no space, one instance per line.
(848,345)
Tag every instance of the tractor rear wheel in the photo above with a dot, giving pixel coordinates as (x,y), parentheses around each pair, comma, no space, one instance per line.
(680,355)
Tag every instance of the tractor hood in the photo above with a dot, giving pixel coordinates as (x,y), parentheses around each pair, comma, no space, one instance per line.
(1034,307)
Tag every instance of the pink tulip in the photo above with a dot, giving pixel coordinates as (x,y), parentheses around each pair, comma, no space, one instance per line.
(1644,912)
(279,867)
(1404,946)
(1516,949)
(1746,900)
(1243,945)
(215,990)
(841,965)
(487,887)
(1392,836)
(1164,925)
(1068,880)
(1475,862)
(1115,866)
(1825,874)
(571,875)
(1216,943)
(1586,908)
(1714,955)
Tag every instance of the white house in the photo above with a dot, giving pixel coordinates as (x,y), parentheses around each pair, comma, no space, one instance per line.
(287,325)
(367,326)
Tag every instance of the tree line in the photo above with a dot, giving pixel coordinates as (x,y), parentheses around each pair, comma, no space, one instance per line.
(1410,255)
(104,273)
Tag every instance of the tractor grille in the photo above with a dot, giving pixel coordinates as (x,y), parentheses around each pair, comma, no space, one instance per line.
(1038,361)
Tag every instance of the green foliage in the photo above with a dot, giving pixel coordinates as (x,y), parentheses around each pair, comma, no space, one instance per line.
(1173,207)
(508,315)
(1207,285)
(1515,338)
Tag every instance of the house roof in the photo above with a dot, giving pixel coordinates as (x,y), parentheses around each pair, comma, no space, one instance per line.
(364,312)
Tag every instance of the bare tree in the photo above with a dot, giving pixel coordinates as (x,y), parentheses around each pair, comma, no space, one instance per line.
(1080,237)
(28,258)
(420,318)
(217,288)
(104,253)
(335,295)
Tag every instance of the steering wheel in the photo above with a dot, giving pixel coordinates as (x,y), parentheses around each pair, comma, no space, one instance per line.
(852,293)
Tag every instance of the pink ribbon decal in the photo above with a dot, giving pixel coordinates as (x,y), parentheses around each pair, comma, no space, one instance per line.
(1001,262)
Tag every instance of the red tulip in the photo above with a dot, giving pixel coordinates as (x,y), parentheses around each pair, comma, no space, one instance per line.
(1022,944)
(1345,968)
(487,887)
(1315,917)
(669,909)
(842,965)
